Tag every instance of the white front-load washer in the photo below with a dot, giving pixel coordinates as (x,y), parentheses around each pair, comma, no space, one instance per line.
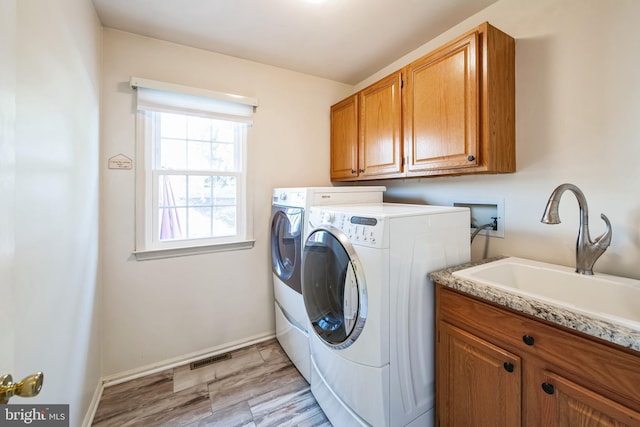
(371,307)
(289,225)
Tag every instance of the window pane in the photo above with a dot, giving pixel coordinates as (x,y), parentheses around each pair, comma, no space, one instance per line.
(199,222)
(198,143)
(224,131)
(199,156)
(199,128)
(171,223)
(173,125)
(200,190)
(172,190)
(173,154)
(196,206)
(224,157)
(224,190)
(224,221)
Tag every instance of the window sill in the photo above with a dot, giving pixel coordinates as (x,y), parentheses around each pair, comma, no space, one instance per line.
(145,255)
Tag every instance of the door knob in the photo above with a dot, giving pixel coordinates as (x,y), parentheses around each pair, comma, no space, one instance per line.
(29,386)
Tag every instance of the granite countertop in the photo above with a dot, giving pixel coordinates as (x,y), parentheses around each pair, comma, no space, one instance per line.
(558,314)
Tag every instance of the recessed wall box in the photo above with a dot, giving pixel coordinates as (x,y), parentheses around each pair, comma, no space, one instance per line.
(483,211)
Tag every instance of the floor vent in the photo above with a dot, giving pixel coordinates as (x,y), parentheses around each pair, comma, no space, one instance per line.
(209,361)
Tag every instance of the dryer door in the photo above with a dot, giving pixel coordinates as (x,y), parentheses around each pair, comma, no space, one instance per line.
(286,245)
(333,287)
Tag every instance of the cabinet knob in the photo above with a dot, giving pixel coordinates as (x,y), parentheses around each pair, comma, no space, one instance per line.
(361,170)
(548,388)
(528,339)
(471,158)
(508,366)
(353,171)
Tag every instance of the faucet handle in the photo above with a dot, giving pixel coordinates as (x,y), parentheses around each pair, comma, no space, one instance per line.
(604,240)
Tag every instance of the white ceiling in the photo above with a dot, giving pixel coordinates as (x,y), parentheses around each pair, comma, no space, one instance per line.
(341,40)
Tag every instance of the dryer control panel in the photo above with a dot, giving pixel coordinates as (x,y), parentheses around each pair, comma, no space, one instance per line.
(360,230)
(294,197)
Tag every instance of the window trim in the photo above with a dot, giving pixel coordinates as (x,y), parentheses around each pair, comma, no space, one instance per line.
(145,248)
(148,254)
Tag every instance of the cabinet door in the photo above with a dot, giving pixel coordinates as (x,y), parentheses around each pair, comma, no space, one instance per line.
(381,128)
(441,106)
(478,383)
(565,403)
(344,139)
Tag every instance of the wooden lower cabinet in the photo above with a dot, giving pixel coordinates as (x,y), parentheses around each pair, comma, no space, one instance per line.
(499,368)
(479,383)
(565,403)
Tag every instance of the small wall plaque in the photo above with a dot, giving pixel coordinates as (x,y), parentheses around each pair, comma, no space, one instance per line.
(120,162)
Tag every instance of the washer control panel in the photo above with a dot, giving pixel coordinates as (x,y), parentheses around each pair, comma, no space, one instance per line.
(361,230)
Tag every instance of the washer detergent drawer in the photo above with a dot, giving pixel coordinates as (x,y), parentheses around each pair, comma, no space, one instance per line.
(294,342)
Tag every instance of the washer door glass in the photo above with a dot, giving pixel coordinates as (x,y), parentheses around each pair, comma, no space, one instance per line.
(333,287)
(286,245)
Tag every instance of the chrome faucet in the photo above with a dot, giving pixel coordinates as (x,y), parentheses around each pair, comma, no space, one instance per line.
(587,252)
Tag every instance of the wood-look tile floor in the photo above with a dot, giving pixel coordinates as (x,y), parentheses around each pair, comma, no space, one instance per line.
(258,386)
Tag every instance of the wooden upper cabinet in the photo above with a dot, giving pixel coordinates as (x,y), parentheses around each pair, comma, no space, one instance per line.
(459,106)
(380,147)
(344,139)
(366,133)
(441,108)
(450,112)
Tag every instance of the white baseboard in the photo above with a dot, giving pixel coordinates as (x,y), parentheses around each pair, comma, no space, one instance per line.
(93,406)
(153,368)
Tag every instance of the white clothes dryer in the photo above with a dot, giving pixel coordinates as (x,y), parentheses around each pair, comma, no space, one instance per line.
(288,228)
(371,307)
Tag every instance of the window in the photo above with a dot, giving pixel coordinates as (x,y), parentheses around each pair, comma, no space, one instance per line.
(191,176)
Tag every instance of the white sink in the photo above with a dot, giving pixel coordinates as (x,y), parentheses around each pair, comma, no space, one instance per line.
(604,296)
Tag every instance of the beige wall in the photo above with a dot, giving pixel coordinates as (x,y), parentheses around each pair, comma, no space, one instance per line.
(159,310)
(577,107)
(51,186)
(577,103)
